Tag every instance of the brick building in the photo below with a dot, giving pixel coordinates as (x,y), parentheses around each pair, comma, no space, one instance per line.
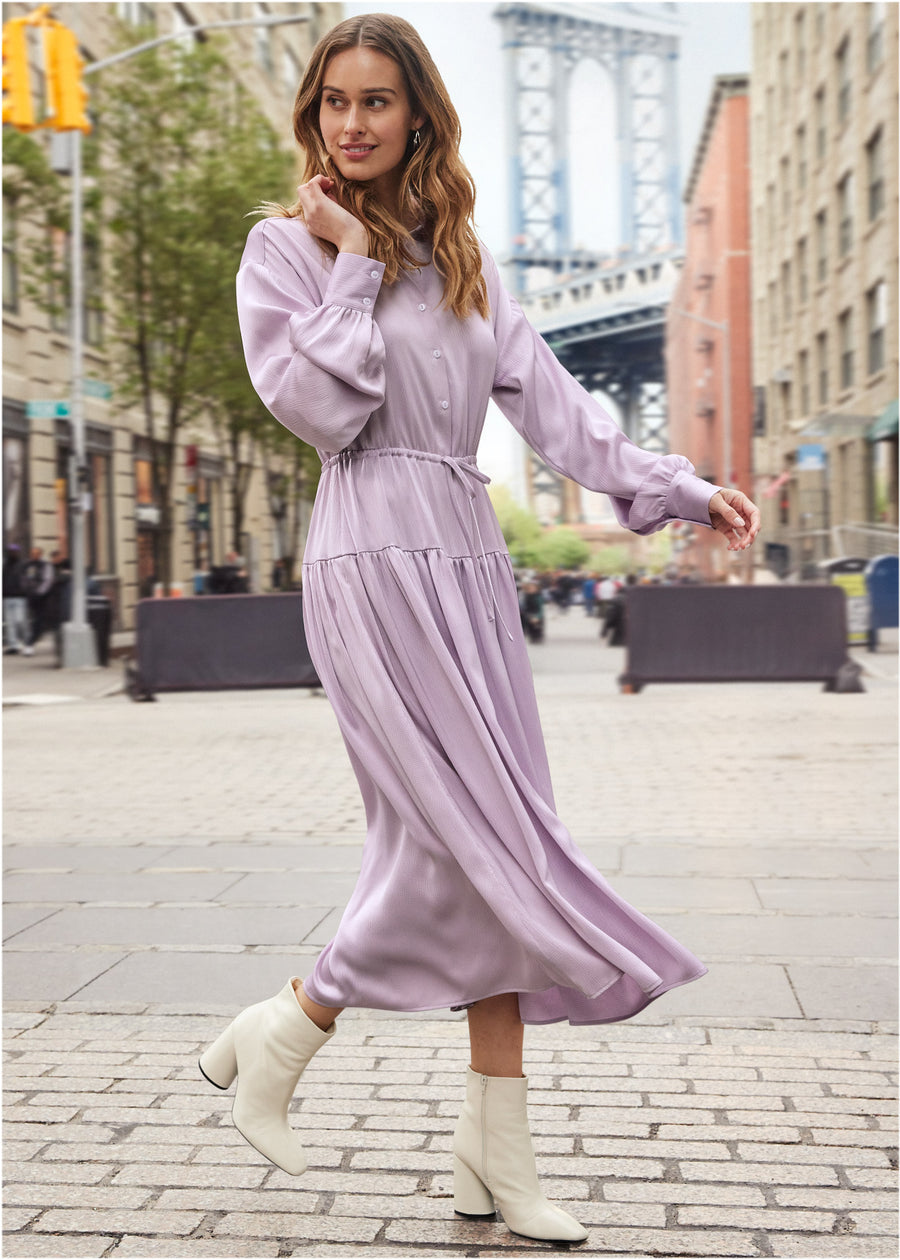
(708,337)
(824,241)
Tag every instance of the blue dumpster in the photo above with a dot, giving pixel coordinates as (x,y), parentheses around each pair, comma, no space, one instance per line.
(881,581)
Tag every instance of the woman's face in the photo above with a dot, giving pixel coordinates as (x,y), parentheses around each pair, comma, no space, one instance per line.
(365,117)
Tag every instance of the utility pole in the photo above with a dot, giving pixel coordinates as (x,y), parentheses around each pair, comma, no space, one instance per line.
(65,70)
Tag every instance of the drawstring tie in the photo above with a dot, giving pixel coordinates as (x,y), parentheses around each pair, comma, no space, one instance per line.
(464,470)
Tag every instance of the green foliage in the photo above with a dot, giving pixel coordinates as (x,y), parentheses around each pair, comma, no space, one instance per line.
(610,560)
(530,545)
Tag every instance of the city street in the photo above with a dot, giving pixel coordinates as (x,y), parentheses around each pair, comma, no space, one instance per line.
(168,863)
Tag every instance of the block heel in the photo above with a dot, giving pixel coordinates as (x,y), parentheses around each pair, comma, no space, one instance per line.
(471,1196)
(219,1062)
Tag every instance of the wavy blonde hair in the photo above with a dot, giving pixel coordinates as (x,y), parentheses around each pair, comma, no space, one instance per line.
(435,185)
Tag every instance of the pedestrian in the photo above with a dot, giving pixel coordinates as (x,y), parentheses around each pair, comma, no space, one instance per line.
(38,578)
(531,606)
(375,327)
(15,604)
(588,593)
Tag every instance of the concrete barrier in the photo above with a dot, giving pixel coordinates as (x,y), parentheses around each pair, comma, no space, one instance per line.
(737,634)
(218,643)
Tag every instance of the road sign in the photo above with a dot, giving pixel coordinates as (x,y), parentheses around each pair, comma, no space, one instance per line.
(46,409)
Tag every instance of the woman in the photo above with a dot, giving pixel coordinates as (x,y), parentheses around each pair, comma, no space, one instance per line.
(375,328)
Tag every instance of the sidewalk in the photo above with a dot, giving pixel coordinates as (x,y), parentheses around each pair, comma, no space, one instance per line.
(169,863)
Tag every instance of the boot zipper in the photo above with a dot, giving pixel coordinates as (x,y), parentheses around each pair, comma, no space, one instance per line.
(484,1081)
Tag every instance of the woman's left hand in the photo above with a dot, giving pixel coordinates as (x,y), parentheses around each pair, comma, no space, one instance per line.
(735,516)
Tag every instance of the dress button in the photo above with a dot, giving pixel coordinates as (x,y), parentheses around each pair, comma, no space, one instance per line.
(367,301)
(422,306)
(374,275)
(444,405)
(436,353)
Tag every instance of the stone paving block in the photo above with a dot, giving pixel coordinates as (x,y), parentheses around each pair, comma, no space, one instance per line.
(763,1151)
(876,1222)
(184,1175)
(326,1181)
(206,1199)
(759,1218)
(873,898)
(875,1178)
(842,1199)
(99,1220)
(79,887)
(211,925)
(690,1133)
(235,980)
(674,1192)
(90,1152)
(51,973)
(627,1215)
(821,990)
(353,1229)
(746,1172)
(60,1196)
(17,918)
(649,1147)
(61,1246)
(848,1137)
(70,1132)
(214,1248)
(824,1247)
(290,888)
(19,1217)
(37,1173)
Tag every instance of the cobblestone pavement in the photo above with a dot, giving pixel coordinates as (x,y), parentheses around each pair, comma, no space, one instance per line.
(168,863)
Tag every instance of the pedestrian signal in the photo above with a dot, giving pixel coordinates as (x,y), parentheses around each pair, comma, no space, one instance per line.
(66,95)
(18,110)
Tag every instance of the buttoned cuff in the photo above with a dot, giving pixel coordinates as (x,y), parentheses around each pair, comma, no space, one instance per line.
(689,497)
(355,282)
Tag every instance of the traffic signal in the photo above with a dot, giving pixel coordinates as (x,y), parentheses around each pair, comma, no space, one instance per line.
(66,94)
(17,107)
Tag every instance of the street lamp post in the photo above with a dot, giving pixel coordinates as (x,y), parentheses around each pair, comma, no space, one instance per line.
(78,646)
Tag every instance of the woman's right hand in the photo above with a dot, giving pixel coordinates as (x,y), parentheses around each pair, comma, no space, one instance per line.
(326,218)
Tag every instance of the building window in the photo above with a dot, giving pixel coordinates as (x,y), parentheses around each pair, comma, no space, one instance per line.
(785,187)
(93,293)
(136,14)
(263,37)
(821,247)
(292,72)
(800,44)
(784,82)
(843,82)
(821,120)
(845,215)
(16,511)
(875,39)
(803,374)
(770,116)
(10,257)
(875,174)
(801,158)
(845,342)
(876,321)
(770,211)
(773,309)
(786,311)
(58,282)
(822,366)
(821,14)
(802,272)
(98,519)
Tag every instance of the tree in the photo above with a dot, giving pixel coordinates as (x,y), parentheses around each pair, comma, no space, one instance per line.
(562,548)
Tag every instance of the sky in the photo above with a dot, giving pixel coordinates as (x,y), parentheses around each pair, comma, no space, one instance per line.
(465,41)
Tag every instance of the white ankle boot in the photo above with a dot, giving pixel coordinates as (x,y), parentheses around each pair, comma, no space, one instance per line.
(266,1048)
(493,1161)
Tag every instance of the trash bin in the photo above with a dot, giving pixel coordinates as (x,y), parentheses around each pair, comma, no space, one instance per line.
(850,574)
(99,615)
(881,580)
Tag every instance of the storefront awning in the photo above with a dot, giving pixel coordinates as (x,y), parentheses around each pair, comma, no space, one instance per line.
(837,424)
(886,424)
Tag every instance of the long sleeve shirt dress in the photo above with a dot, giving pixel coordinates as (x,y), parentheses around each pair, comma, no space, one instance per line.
(470,885)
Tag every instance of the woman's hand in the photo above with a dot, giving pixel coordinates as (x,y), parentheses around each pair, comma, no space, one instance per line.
(327,219)
(733,514)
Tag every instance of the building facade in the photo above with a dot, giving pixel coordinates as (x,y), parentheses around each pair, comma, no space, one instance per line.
(122,522)
(708,338)
(824,247)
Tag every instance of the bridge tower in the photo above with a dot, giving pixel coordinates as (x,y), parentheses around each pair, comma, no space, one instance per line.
(638,45)
(616,346)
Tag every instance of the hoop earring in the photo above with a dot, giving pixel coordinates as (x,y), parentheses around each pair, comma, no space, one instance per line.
(417,139)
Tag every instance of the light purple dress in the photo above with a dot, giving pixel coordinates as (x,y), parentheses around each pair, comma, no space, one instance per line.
(470,885)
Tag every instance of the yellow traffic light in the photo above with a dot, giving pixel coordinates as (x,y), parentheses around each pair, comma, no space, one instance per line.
(17,107)
(66,95)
